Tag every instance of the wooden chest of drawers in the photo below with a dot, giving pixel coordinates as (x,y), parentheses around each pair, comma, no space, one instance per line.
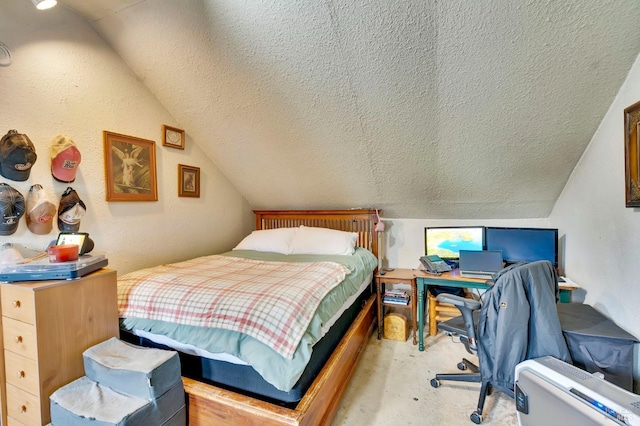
(45,328)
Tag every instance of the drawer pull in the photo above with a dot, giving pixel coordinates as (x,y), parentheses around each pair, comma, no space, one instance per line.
(21,374)
(16,303)
(23,408)
(18,339)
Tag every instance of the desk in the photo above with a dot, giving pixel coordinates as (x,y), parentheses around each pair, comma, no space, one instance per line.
(453,279)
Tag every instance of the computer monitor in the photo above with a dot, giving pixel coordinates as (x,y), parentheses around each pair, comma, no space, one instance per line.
(447,242)
(523,244)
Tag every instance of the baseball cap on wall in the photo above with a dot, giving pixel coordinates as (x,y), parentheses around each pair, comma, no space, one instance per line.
(40,211)
(17,156)
(70,211)
(65,159)
(11,209)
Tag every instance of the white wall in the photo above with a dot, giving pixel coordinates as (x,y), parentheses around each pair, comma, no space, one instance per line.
(602,236)
(65,80)
(602,246)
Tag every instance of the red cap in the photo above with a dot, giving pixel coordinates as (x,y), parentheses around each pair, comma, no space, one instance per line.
(65,159)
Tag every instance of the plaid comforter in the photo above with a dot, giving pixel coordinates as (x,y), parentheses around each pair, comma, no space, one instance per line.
(272,302)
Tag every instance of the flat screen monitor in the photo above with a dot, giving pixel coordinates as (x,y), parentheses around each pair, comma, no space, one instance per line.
(523,244)
(447,242)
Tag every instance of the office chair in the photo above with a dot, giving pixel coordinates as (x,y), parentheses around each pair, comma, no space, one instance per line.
(515,320)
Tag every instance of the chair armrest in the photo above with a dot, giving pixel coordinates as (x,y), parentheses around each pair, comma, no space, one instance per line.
(458,301)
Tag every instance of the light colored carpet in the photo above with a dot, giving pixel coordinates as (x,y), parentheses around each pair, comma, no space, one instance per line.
(391,387)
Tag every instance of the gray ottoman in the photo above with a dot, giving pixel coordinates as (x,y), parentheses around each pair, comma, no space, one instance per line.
(84,402)
(132,370)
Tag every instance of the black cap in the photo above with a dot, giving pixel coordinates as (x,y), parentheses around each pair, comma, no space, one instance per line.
(17,156)
(70,211)
(11,209)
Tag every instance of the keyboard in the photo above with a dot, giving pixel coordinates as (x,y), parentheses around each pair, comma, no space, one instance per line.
(477,274)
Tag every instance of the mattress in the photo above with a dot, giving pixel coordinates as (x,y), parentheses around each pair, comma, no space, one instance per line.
(251,367)
(226,357)
(243,379)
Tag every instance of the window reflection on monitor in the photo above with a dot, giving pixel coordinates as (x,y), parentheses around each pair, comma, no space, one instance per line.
(447,242)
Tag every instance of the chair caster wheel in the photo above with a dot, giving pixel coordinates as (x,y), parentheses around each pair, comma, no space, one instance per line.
(462,366)
(476,418)
(435,383)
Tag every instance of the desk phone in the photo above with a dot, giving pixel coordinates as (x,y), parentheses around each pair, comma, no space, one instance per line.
(434,264)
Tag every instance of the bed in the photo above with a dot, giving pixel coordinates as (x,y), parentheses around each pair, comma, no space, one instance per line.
(216,389)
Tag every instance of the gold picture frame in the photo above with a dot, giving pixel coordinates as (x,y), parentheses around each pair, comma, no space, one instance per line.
(172,137)
(188,181)
(130,168)
(632,155)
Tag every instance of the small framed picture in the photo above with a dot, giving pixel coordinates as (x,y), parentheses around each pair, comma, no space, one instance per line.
(130,168)
(172,137)
(188,181)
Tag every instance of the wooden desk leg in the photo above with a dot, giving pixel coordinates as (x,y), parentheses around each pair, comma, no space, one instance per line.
(414,311)
(379,300)
(421,291)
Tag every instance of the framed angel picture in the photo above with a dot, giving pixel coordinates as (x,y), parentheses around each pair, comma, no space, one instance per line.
(130,168)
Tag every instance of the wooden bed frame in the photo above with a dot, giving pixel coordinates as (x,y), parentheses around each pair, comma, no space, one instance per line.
(211,405)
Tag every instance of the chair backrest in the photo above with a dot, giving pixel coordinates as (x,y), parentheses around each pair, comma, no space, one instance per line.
(540,275)
(518,321)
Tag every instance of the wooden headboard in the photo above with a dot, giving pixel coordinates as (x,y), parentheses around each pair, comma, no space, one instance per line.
(362,221)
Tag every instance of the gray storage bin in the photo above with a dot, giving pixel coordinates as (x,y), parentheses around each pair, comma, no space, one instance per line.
(84,402)
(133,370)
(597,344)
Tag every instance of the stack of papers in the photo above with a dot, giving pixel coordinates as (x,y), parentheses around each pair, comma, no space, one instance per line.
(566,282)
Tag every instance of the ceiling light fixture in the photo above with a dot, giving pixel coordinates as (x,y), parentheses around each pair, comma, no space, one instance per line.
(44,4)
(5,55)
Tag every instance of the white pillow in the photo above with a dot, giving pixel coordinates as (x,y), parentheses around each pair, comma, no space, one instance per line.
(273,240)
(309,240)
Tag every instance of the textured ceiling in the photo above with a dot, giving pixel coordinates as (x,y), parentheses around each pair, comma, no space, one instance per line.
(424,108)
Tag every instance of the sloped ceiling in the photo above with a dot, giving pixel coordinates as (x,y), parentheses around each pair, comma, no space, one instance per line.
(424,108)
